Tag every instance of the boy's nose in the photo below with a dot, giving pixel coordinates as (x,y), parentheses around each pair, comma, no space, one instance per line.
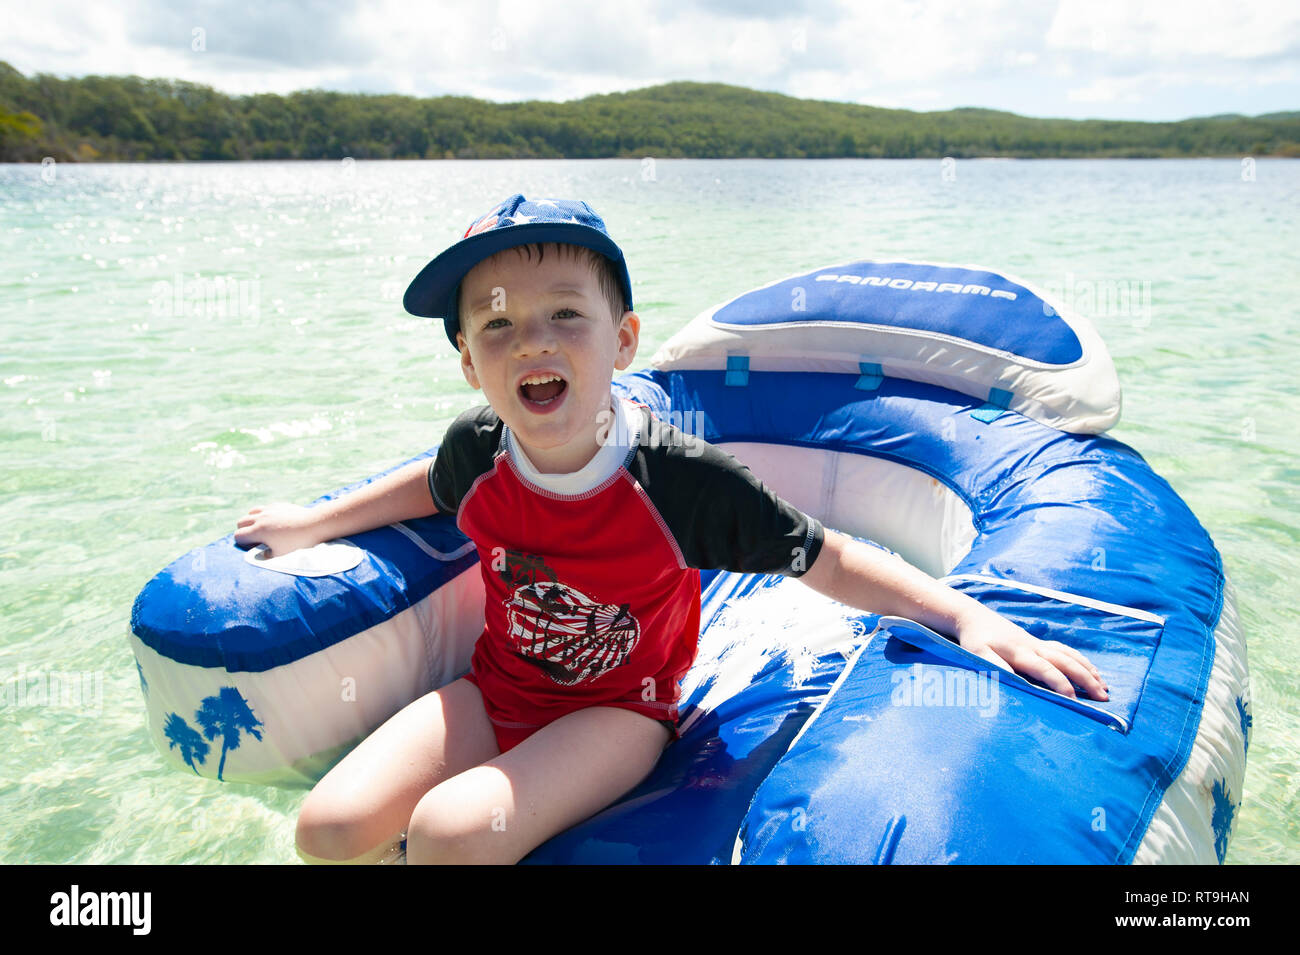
(534,337)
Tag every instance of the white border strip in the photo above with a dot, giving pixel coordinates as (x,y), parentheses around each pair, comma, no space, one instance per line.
(421,543)
(1062,596)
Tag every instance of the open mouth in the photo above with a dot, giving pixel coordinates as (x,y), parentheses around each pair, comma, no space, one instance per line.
(542,390)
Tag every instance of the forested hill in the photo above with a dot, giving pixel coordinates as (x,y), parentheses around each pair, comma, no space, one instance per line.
(129,118)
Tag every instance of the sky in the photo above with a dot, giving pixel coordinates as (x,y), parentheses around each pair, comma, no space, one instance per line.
(1079,59)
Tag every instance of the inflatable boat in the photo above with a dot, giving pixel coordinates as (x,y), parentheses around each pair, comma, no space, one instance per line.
(954,415)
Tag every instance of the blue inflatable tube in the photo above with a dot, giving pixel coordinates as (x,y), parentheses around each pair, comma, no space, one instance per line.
(954,415)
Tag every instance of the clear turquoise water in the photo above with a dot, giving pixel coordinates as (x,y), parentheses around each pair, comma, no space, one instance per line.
(133,431)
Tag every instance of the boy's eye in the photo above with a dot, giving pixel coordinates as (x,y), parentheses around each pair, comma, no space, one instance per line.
(566,313)
(492,323)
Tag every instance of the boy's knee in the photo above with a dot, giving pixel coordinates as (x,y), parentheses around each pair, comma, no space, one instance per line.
(445,830)
(325,835)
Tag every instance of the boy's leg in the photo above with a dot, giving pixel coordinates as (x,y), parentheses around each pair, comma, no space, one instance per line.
(564,773)
(360,807)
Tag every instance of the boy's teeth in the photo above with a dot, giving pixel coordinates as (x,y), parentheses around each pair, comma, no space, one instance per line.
(542,388)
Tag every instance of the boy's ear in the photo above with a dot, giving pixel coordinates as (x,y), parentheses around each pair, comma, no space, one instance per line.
(629,334)
(467,362)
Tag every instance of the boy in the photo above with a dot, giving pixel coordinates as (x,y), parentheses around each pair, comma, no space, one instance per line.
(589,537)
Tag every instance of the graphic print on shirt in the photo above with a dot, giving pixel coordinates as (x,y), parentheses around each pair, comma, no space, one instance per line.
(565,633)
(517,567)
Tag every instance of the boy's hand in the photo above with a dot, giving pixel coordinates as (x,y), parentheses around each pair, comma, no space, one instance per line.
(881,582)
(1055,665)
(282,527)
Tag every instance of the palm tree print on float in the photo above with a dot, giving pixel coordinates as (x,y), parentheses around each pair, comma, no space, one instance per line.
(182,735)
(224,715)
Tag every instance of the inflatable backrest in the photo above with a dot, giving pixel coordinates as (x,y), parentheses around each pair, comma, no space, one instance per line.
(973,331)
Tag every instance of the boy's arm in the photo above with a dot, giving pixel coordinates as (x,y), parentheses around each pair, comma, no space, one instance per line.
(872,579)
(400,496)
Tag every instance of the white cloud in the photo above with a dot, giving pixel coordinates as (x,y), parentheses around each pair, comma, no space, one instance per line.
(1169,31)
(1001,54)
(1109,89)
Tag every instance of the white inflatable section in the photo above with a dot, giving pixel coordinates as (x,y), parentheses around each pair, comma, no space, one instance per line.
(1082,398)
(1180,831)
(322,704)
(917,516)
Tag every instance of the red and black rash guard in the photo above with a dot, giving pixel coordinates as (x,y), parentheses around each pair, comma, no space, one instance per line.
(594,598)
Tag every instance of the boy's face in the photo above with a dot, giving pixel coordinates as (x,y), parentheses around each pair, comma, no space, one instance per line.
(525,323)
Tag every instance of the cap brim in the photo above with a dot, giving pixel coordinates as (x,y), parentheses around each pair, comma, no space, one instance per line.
(431,293)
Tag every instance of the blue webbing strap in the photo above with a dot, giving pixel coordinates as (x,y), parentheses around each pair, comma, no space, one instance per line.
(871,376)
(997,403)
(738,370)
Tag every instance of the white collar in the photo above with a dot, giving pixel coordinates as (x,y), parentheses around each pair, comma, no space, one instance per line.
(609,457)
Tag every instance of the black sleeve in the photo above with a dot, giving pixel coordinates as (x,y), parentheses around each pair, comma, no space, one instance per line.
(722,516)
(466,451)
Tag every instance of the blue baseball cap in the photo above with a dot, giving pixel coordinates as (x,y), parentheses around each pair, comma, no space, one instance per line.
(434,293)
